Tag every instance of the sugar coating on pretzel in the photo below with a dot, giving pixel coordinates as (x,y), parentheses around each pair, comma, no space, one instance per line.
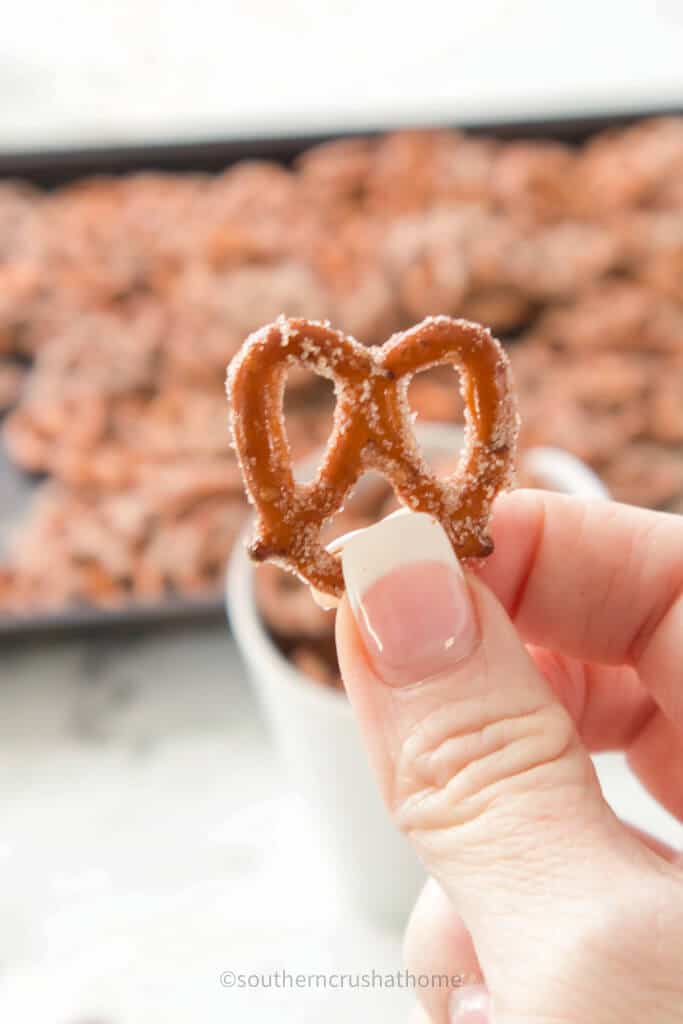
(371,430)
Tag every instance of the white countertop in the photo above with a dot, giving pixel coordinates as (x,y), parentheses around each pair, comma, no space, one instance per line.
(148,842)
(79,72)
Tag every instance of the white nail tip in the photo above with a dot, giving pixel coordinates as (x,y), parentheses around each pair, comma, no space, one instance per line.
(368,555)
(469,1001)
(328,601)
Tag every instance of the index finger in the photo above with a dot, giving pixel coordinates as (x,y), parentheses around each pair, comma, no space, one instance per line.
(595,580)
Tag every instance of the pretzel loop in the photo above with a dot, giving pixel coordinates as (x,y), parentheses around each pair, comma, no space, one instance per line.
(371,431)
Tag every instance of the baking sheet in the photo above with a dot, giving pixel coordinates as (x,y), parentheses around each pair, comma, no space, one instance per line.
(16,491)
(54,168)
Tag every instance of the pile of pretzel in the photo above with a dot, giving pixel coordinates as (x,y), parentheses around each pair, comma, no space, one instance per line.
(122,300)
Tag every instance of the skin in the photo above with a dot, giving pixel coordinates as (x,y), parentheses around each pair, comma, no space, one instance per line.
(536,887)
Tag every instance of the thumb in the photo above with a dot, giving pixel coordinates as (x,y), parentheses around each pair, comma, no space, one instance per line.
(478,761)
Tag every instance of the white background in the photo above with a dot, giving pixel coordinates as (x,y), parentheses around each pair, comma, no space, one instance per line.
(90,71)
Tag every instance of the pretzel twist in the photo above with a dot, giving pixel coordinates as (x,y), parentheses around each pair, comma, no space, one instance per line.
(371,430)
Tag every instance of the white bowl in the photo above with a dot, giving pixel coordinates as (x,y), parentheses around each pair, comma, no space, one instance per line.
(316,732)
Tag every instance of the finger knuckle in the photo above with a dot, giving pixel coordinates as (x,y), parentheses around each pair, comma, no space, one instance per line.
(460,761)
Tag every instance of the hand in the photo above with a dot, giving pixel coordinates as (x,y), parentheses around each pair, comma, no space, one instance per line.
(481,747)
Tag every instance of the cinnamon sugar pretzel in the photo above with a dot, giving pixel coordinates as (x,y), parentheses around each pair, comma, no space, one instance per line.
(371,430)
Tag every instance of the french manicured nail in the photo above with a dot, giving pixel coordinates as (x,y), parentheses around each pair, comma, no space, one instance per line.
(470,1004)
(410,598)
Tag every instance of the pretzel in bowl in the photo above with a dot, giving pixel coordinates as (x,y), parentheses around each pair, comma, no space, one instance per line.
(372,430)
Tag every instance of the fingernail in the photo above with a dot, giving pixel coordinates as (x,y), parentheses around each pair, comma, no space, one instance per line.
(410,598)
(470,1005)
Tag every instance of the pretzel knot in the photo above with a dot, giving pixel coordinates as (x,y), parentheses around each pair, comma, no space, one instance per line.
(372,430)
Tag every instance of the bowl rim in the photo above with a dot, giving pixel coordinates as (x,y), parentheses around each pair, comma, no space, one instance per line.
(254,642)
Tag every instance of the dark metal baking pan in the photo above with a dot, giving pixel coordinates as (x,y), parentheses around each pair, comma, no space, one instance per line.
(56,167)
(53,167)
